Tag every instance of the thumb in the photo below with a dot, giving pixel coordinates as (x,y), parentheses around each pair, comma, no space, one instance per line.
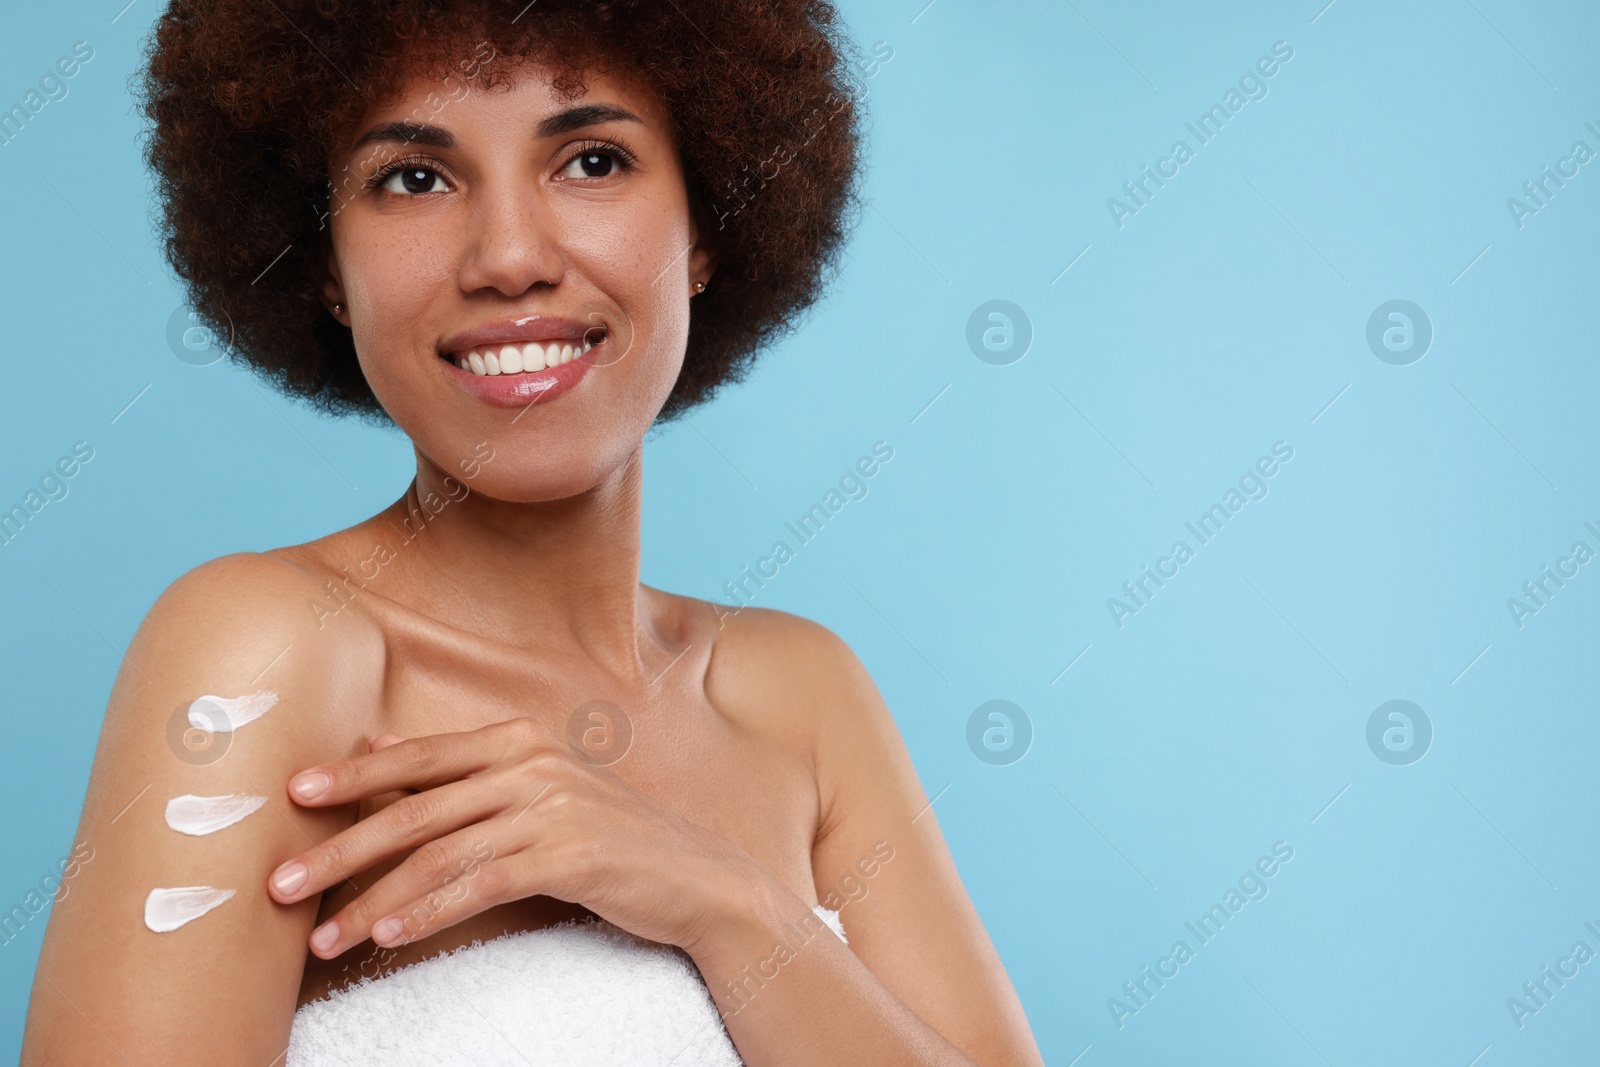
(383,741)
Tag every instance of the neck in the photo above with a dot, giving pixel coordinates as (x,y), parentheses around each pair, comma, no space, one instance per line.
(555,575)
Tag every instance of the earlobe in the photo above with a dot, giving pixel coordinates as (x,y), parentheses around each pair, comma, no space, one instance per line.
(703,253)
(332,287)
(331,300)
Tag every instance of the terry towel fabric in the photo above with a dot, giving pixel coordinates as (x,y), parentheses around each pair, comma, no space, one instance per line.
(575,994)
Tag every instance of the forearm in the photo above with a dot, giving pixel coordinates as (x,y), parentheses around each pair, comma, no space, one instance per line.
(789,991)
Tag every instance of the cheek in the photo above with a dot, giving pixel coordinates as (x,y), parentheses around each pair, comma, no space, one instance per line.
(392,287)
(638,260)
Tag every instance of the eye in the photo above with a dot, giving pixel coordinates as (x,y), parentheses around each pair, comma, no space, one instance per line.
(412,176)
(602,160)
(591,163)
(412,179)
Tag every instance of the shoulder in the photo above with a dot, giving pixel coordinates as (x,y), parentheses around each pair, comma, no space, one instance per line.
(877,850)
(765,643)
(776,660)
(249,609)
(282,694)
(784,672)
(237,625)
(262,585)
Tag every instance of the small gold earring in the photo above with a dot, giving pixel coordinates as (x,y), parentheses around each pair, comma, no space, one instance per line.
(338,309)
(699,287)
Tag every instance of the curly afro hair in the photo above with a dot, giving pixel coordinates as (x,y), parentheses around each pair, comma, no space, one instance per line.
(246,101)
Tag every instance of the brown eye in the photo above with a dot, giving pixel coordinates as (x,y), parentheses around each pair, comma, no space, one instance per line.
(410,180)
(593,163)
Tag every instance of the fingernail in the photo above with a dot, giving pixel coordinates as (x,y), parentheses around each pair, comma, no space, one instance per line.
(289,877)
(325,936)
(310,785)
(388,930)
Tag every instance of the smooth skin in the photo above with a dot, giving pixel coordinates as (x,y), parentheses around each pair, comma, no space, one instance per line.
(430,662)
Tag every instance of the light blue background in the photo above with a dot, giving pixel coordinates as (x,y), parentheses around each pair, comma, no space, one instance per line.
(1223,317)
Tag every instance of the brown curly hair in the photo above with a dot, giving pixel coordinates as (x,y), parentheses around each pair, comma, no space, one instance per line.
(246,101)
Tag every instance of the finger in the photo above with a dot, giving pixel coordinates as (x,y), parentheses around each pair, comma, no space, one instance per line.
(443,883)
(407,824)
(416,763)
(383,741)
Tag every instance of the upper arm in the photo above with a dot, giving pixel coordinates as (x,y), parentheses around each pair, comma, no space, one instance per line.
(880,859)
(223,987)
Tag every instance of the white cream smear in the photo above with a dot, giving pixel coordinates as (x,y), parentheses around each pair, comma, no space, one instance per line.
(199,816)
(221,715)
(167,909)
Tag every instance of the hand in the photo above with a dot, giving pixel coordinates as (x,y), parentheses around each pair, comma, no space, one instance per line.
(506,812)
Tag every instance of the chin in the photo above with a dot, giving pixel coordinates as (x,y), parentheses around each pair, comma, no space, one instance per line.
(531,468)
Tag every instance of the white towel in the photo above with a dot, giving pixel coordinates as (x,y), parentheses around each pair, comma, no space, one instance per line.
(574,994)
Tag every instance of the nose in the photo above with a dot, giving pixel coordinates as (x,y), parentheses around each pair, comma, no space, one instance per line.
(514,243)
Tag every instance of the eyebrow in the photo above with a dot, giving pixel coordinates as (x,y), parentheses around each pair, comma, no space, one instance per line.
(576,118)
(573,118)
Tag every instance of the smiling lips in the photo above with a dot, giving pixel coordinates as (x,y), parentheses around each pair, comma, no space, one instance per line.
(486,360)
(514,362)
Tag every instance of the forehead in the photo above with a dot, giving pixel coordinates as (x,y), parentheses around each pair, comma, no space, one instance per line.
(550,97)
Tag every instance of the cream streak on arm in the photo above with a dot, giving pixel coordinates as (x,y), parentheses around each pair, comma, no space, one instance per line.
(198,816)
(221,715)
(112,954)
(167,909)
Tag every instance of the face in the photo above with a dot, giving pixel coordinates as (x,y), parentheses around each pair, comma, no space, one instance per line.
(512,229)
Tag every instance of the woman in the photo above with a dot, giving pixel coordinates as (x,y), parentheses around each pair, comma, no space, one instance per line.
(557,815)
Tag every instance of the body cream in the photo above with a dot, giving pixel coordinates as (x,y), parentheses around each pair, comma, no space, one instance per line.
(167,909)
(198,816)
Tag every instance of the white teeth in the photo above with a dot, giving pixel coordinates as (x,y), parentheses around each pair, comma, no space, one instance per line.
(514,359)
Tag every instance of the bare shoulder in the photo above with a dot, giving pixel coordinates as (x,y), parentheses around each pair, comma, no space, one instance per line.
(228,687)
(783,663)
(244,622)
(258,619)
(879,857)
(796,678)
